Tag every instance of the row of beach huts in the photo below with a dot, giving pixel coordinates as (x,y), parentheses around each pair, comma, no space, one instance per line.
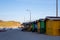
(48,26)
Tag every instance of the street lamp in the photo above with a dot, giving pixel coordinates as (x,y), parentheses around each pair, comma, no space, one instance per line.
(30,13)
(56,8)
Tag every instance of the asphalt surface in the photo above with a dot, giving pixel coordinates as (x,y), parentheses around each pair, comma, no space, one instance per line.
(20,35)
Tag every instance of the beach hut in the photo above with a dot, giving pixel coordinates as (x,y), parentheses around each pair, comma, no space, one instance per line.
(25,26)
(41,28)
(30,26)
(53,26)
(38,26)
(34,26)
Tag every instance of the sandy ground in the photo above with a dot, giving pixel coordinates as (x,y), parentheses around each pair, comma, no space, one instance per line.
(20,35)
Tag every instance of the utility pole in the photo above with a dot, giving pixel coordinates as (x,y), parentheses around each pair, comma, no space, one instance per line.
(30,14)
(56,8)
(24,18)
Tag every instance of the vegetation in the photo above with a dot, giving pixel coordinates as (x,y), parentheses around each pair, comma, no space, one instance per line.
(9,24)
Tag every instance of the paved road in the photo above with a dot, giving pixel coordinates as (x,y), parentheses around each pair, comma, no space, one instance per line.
(19,35)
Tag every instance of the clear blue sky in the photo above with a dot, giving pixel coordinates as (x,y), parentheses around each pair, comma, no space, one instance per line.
(17,9)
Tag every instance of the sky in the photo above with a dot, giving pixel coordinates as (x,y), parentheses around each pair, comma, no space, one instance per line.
(17,9)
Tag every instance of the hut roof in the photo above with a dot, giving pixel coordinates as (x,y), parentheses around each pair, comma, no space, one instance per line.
(53,18)
(41,20)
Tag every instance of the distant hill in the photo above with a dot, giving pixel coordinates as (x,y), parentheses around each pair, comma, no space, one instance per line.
(9,24)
